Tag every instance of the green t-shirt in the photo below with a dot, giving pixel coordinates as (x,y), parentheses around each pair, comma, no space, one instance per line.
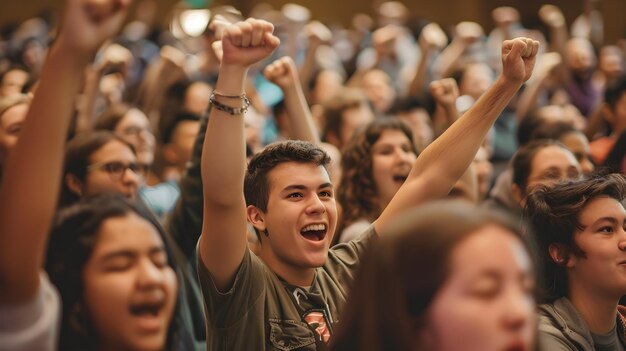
(263,312)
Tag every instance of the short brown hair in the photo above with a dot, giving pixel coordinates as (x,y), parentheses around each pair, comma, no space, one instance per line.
(256,182)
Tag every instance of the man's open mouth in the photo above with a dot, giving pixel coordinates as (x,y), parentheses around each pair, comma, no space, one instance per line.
(314,232)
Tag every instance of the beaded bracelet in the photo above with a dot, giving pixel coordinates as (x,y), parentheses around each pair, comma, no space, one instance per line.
(228,109)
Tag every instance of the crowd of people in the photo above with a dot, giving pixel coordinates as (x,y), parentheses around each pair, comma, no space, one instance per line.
(270,182)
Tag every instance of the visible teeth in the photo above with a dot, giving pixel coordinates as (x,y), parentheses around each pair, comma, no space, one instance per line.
(316,227)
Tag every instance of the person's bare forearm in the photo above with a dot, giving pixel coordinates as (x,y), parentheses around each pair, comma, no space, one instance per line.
(223,154)
(449,56)
(444,161)
(90,93)
(450,155)
(33,172)
(302,126)
(418,83)
(223,239)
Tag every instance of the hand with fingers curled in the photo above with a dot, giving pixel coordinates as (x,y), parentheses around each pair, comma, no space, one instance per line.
(444,91)
(432,36)
(87,24)
(505,16)
(248,42)
(469,32)
(518,59)
(282,72)
(317,33)
(552,16)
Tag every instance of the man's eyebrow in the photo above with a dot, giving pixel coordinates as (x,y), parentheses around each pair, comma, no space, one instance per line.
(304,187)
(294,187)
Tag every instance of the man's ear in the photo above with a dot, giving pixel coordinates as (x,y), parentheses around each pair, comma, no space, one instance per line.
(256,217)
(560,255)
(518,194)
(74,184)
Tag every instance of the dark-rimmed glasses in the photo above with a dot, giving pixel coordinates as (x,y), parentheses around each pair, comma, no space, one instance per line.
(116,169)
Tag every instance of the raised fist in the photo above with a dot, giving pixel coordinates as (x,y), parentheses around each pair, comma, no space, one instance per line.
(518,59)
(552,16)
(87,24)
(444,91)
(504,16)
(469,32)
(248,42)
(282,72)
(432,36)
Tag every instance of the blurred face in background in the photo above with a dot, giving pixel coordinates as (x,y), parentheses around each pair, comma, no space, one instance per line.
(378,88)
(13,81)
(392,159)
(135,128)
(11,122)
(487,302)
(551,165)
(113,168)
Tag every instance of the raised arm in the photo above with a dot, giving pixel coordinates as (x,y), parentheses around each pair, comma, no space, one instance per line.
(223,240)
(33,171)
(445,160)
(283,72)
(445,92)
(431,40)
(467,33)
(535,87)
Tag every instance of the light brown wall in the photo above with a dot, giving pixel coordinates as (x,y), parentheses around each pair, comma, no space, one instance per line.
(445,12)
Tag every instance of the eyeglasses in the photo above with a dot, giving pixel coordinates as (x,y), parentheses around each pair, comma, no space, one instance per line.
(117,169)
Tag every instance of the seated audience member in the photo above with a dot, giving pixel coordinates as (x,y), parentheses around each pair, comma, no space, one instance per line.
(574,139)
(438,267)
(102,162)
(291,294)
(541,162)
(581,61)
(13,80)
(378,88)
(178,141)
(29,304)
(344,113)
(543,123)
(132,125)
(119,291)
(98,162)
(13,111)
(415,113)
(615,99)
(580,241)
(375,164)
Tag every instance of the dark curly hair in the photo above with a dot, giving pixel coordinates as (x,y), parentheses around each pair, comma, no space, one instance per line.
(357,193)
